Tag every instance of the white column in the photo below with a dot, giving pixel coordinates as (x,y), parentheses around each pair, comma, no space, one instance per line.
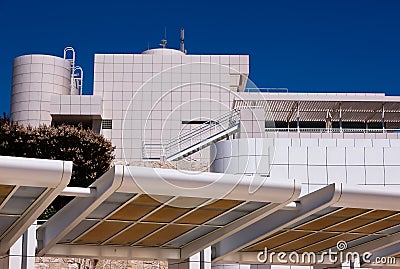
(22,254)
(14,257)
(29,247)
(200,260)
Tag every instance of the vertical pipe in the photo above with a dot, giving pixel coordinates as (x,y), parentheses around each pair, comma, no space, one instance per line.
(298,117)
(340,118)
(383,117)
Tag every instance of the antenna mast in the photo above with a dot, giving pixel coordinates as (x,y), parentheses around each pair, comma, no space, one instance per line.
(182,47)
(164,40)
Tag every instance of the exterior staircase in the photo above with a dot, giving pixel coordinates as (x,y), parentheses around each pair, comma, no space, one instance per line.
(187,143)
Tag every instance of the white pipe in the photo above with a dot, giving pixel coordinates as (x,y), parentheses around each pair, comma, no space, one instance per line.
(78,192)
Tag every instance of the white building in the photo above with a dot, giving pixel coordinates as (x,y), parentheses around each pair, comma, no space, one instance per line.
(288,171)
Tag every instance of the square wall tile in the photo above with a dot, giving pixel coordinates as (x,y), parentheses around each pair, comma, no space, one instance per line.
(297,155)
(392,174)
(337,174)
(316,156)
(298,172)
(336,156)
(360,143)
(317,174)
(374,156)
(392,156)
(355,156)
(345,142)
(374,175)
(279,171)
(380,143)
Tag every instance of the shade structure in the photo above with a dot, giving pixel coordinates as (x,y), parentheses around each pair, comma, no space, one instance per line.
(314,107)
(365,218)
(27,187)
(149,213)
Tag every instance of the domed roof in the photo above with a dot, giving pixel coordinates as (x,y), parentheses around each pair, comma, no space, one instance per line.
(163,51)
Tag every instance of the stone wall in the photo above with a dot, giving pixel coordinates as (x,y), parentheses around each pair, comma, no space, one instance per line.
(78,263)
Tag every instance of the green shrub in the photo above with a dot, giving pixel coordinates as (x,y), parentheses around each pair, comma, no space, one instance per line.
(90,153)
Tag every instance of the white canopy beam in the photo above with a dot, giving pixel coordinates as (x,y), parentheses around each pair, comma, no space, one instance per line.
(68,217)
(307,206)
(236,226)
(110,252)
(53,175)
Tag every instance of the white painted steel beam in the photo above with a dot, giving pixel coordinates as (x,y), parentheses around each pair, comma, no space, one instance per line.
(111,252)
(53,175)
(154,181)
(252,257)
(385,257)
(368,197)
(307,206)
(238,225)
(71,215)
(172,182)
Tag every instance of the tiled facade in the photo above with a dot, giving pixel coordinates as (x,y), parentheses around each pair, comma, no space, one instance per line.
(149,96)
(315,162)
(36,78)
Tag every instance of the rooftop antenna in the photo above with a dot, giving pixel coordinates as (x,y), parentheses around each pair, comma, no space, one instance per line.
(164,40)
(182,47)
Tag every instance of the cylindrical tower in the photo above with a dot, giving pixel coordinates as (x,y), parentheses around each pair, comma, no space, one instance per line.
(35,79)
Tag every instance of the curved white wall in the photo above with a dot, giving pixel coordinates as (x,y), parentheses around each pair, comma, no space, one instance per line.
(316,162)
(35,79)
(243,156)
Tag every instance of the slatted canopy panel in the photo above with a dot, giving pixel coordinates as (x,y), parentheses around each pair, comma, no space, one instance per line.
(27,187)
(156,221)
(361,218)
(14,202)
(161,212)
(314,107)
(323,230)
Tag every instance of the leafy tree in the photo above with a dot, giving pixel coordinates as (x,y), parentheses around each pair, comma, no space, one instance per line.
(90,153)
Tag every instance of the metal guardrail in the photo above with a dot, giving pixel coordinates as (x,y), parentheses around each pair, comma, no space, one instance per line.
(152,150)
(202,132)
(332,130)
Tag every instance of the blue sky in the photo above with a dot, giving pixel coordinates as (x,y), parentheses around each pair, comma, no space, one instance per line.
(306,46)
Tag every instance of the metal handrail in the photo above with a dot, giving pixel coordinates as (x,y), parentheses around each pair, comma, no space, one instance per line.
(154,149)
(150,147)
(332,130)
(213,127)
